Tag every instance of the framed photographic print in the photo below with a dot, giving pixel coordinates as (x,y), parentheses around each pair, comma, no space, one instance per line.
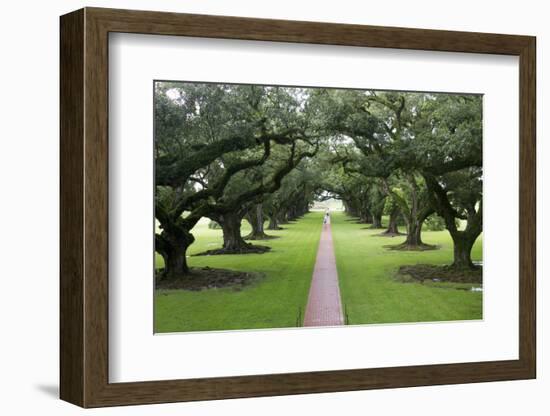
(256,207)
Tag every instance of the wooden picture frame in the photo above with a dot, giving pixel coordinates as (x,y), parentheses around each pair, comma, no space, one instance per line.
(84,207)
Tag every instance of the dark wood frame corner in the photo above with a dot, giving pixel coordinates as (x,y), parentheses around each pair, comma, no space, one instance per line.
(84,207)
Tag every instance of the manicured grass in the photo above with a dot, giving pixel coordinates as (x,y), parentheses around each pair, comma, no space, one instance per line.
(273,302)
(371,294)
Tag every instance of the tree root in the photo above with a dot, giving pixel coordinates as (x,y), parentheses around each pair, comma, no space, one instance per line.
(385,234)
(248,249)
(263,236)
(410,247)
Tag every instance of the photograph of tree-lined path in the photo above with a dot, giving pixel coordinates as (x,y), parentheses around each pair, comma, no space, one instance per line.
(280,207)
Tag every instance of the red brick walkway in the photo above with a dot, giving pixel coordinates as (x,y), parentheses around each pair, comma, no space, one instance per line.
(324,307)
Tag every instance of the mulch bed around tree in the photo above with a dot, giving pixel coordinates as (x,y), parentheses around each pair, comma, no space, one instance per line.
(422,272)
(265,237)
(250,249)
(385,234)
(405,247)
(203,278)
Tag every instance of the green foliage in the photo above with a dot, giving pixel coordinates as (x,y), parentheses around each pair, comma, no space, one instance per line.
(434,223)
(221,147)
(449,136)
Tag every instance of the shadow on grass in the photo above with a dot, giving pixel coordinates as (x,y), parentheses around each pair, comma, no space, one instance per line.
(248,249)
(408,247)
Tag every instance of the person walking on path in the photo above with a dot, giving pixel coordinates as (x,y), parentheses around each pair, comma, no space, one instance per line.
(326,218)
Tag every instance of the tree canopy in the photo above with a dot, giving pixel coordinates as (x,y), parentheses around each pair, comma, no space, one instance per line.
(229,152)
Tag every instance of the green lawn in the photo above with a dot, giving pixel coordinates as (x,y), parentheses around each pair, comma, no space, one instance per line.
(273,302)
(370,292)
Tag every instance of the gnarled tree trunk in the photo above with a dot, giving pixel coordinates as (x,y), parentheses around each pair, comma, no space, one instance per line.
(414,222)
(172,244)
(255,217)
(231,227)
(377,221)
(414,213)
(365,217)
(392,224)
(290,214)
(414,233)
(282,218)
(463,243)
(233,242)
(463,240)
(273,223)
